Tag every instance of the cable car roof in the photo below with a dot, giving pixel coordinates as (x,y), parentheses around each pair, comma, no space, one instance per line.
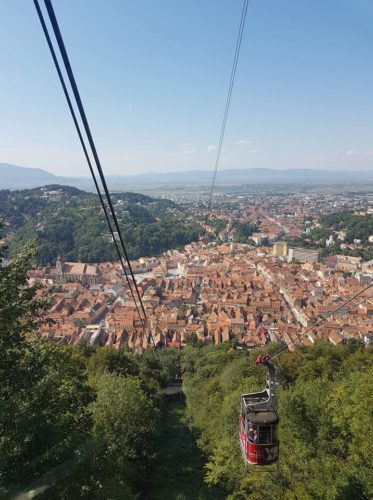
(262,417)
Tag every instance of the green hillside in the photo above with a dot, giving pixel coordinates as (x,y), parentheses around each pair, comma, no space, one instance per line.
(326,415)
(68,222)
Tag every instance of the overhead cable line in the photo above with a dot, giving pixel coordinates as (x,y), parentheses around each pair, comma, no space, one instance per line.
(229,96)
(70,74)
(56,63)
(79,104)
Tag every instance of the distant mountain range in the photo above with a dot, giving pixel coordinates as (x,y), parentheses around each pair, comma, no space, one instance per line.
(15,177)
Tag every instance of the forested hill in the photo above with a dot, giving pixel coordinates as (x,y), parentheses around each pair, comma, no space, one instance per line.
(70,222)
(325,407)
(345,227)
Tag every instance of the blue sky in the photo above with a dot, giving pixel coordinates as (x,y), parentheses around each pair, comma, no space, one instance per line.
(153,76)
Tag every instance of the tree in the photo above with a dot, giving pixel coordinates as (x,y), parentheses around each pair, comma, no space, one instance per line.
(125,421)
(72,224)
(43,391)
(171,368)
(243,230)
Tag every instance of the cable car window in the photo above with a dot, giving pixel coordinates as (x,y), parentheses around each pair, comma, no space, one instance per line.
(265,434)
(274,434)
(252,434)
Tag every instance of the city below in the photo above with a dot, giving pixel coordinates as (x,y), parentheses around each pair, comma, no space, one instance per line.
(267,290)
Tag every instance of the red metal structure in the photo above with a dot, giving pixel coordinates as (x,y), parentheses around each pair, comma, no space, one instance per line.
(258,421)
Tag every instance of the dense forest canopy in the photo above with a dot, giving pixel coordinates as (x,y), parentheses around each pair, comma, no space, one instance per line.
(326,412)
(70,222)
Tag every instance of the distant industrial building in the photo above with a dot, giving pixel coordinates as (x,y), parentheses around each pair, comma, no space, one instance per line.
(303,255)
(280,249)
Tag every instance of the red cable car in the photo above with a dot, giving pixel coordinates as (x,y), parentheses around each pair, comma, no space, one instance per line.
(258,421)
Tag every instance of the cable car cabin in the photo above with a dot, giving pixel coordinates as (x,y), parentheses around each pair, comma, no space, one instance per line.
(258,434)
(258,423)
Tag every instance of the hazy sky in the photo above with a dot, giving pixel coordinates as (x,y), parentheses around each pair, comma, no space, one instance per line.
(153,76)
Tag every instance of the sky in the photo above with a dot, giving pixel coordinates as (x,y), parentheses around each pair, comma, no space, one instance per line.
(153,76)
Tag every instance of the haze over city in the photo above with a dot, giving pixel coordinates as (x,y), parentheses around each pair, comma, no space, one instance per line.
(154,79)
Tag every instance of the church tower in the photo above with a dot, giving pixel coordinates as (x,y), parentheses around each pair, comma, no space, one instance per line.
(59,270)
